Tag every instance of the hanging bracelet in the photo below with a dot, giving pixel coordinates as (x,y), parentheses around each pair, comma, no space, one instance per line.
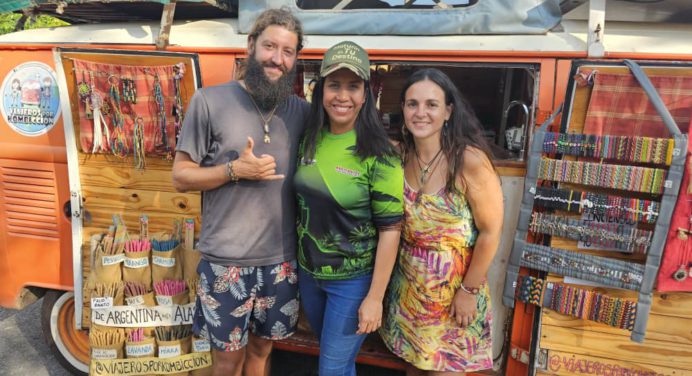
(230,173)
(469,290)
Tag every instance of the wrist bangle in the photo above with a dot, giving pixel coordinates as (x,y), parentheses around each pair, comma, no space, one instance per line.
(230,173)
(469,290)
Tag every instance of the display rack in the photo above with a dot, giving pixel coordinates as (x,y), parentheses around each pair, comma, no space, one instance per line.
(653,167)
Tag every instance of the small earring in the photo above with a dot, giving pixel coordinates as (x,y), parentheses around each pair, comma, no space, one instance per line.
(445,124)
(404,131)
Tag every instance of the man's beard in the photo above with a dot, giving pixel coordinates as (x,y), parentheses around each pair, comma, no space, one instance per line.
(267,93)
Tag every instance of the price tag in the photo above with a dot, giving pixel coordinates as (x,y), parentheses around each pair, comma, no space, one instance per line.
(102,302)
(166,262)
(169,351)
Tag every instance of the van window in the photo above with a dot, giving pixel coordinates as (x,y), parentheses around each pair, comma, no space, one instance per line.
(502,95)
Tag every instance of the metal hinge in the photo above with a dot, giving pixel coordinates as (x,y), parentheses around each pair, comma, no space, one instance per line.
(542,360)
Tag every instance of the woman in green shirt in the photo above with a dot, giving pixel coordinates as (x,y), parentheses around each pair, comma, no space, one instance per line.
(349,185)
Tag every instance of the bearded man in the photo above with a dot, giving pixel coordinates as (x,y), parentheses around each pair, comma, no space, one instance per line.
(238,143)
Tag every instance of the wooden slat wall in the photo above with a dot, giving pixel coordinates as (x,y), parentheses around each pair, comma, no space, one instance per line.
(112,185)
(580,347)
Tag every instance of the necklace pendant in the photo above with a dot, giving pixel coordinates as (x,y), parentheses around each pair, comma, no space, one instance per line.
(267,139)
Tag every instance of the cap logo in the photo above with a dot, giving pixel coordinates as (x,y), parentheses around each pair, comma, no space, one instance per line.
(347,53)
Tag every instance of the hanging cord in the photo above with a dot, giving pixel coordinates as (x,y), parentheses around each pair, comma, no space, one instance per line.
(178,113)
(160,113)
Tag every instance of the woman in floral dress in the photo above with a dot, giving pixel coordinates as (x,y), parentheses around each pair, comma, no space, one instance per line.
(438,314)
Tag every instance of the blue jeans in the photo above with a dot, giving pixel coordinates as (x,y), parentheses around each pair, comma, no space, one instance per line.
(332,310)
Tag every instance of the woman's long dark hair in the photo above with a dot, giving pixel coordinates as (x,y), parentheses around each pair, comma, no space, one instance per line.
(371,137)
(462,129)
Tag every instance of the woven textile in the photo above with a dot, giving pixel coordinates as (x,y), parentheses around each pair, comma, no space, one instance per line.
(619,106)
(97,76)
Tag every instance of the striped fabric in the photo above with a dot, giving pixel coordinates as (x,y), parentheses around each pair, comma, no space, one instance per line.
(619,105)
(145,107)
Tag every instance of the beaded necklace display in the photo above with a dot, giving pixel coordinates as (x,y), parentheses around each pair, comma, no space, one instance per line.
(628,178)
(626,209)
(623,238)
(622,148)
(577,302)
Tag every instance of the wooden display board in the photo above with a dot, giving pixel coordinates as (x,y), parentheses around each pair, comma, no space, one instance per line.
(571,346)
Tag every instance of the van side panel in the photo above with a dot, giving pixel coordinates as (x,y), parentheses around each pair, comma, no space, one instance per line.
(34,231)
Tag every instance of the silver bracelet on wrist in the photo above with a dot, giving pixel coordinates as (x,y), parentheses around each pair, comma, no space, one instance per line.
(230,173)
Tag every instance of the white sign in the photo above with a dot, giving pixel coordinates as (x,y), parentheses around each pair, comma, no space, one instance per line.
(166,262)
(102,302)
(135,317)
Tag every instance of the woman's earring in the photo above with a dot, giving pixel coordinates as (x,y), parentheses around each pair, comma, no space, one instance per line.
(404,131)
(445,124)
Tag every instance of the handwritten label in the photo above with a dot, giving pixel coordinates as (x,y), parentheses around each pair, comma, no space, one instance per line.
(140,350)
(102,302)
(134,317)
(582,366)
(149,365)
(113,259)
(135,300)
(201,345)
(136,263)
(164,300)
(104,353)
(169,351)
(166,262)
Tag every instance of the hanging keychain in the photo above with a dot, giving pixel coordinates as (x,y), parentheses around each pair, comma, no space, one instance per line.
(161,113)
(100,125)
(178,113)
(119,145)
(138,143)
(84,92)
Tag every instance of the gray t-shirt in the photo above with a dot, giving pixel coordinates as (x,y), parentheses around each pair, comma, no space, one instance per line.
(248,223)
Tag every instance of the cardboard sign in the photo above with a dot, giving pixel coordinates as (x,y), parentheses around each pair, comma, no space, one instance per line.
(150,365)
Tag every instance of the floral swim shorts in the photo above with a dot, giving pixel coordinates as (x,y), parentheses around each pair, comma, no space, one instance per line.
(232,301)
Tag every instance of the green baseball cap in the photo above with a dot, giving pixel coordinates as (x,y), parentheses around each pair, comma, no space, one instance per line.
(347,55)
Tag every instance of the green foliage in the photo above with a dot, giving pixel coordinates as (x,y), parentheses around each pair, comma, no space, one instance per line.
(9,20)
